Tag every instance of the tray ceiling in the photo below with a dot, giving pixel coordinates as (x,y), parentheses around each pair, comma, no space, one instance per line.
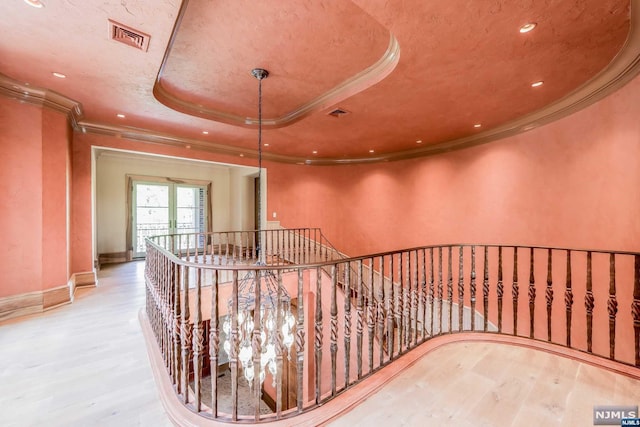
(415,77)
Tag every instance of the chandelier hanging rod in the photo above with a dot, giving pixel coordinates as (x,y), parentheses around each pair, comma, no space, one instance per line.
(260,74)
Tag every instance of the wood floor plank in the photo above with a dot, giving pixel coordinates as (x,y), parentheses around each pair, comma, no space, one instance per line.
(507,386)
(82,364)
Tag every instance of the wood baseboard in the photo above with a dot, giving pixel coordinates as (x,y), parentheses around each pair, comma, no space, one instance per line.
(52,298)
(113,257)
(20,305)
(39,301)
(84,279)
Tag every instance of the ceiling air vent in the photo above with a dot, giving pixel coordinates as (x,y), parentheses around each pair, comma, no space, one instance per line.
(338,112)
(129,36)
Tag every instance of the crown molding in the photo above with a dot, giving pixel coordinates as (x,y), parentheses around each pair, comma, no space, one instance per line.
(29,94)
(152,137)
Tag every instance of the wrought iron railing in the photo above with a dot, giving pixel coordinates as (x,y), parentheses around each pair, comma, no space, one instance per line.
(144,230)
(280,246)
(353,316)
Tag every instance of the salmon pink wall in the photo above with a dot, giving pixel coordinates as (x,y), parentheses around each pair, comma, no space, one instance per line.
(21,201)
(81,234)
(570,183)
(55,143)
(34,205)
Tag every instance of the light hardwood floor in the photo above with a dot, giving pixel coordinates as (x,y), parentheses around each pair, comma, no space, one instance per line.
(85,364)
(488,384)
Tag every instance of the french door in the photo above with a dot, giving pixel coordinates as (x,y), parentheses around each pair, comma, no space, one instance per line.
(166,208)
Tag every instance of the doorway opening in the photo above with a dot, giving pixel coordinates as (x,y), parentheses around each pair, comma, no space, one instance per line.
(160,208)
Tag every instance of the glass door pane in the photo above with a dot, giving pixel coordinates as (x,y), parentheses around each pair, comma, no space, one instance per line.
(190,213)
(160,209)
(151,213)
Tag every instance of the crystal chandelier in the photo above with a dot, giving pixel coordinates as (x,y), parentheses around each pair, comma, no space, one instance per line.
(276,320)
(272,310)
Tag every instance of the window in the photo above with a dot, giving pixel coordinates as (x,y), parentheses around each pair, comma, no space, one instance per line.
(160,208)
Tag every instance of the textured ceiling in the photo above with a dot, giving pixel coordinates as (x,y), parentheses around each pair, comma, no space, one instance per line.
(404,70)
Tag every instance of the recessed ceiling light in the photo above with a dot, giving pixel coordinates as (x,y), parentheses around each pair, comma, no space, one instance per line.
(187,146)
(59,75)
(120,115)
(204,132)
(419,141)
(477,125)
(528,27)
(537,84)
(35,3)
(371,151)
(266,144)
(241,155)
(315,151)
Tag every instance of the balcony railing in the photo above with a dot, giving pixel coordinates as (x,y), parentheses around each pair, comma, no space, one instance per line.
(144,230)
(346,318)
(280,246)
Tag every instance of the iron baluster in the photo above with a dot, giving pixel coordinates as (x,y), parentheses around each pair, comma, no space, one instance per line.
(461,289)
(549,293)
(589,305)
(532,296)
(500,289)
(515,291)
(612,306)
(568,299)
